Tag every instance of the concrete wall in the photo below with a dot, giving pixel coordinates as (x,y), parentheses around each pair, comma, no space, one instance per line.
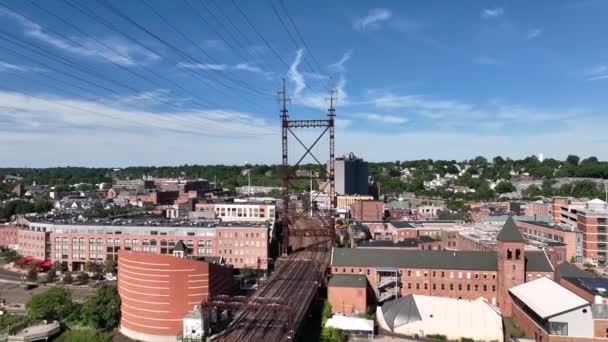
(580,322)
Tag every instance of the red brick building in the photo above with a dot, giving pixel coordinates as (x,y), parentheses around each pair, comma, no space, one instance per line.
(367,210)
(157,291)
(8,236)
(457,274)
(348,294)
(240,244)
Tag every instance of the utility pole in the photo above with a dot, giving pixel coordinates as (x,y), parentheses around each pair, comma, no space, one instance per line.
(288,127)
(311,199)
(286,170)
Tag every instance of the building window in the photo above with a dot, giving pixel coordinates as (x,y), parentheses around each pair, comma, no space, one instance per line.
(368,271)
(434,274)
(451,287)
(558,328)
(468,287)
(514,267)
(409,285)
(409,273)
(417,286)
(434,286)
(493,288)
(443,286)
(509,253)
(517,253)
(485,288)
(476,287)
(459,287)
(426,286)
(442,274)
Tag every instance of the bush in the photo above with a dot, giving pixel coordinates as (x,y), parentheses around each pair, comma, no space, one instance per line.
(83,278)
(32,275)
(436,337)
(102,311)
(84,335)
(51,275)
(54,304)
(67,278)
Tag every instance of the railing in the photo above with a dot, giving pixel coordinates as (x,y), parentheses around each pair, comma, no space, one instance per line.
(386,280)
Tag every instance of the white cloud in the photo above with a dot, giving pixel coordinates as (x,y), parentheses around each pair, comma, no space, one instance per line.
(374,19)
(128,54)
(201,66)
(222,67)
(533,34)
(485,60)
(294,74)
(382,118)
(339,65)
(115,113)
(5,66)
(489,13)
(599,72)
(417,101)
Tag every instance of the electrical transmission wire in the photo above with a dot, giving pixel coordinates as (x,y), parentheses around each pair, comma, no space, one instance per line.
(129,19)
(53,56)
(247,41)
(277,55)
(293,23)
(202,74)
(296,45)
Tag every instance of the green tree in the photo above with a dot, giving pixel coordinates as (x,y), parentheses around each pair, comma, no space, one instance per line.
(111,266)
(82,278)
(67,278)
(51,275)
(504,187)
(93,267)
(84,335)
(54,304)
(32,275)
(572,160)
(248,273)
(102,311)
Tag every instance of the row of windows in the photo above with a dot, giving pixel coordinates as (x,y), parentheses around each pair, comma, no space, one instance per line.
(441,274)
(459,286)
(230,243)
(128,242)
(240,251)
(241,235)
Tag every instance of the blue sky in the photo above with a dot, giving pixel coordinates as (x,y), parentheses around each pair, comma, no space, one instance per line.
(193,82)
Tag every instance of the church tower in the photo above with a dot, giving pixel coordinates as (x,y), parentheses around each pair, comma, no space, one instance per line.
(511,263)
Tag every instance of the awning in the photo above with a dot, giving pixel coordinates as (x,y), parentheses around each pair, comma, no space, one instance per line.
(46,263)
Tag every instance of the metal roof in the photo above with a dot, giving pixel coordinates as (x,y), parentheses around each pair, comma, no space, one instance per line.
(547,298)
(438,259)
(510,232)
(538,262)
(348,280)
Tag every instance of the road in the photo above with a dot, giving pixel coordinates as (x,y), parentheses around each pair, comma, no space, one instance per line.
(7,276)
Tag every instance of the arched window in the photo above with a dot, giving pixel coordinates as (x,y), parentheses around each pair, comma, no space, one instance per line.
(509,253)
(517,253)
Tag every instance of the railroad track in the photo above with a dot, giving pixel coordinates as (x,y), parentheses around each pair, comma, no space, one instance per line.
(292,287)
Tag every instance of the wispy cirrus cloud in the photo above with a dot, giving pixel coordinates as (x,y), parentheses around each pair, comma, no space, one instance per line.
(339,65)
(485,60)
(534,33)
(25,112)
(5,66)
(222,67)
(373,20)
(381,118)
(125,54)
(599,72)
(489,13)
(294,74)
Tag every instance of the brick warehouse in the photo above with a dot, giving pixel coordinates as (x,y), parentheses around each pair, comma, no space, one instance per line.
(455,274)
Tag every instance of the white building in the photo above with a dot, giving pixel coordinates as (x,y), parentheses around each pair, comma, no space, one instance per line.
(557,310)
(454,318)
(193,324)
